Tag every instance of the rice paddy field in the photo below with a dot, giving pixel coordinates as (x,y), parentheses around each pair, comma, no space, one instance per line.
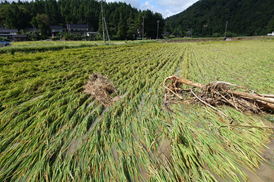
(40,46)
(56,43)
(50,130)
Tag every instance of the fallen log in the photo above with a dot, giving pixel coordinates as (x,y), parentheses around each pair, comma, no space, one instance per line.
(221,92)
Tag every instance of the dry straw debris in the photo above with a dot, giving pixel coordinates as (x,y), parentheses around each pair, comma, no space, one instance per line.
(101,88)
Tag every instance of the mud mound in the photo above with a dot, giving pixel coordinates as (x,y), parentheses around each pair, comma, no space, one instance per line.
(101,88)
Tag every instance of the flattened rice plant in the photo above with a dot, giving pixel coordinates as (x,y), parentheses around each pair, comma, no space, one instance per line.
(52,131)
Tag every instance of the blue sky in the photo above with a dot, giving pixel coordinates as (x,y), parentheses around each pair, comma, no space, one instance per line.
(165,7)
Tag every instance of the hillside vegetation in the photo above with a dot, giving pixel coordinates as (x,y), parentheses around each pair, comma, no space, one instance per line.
(209,17)
(122,19)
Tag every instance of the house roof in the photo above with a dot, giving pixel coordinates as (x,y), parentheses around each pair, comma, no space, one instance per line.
(78,26)
(56,27)
(8,30)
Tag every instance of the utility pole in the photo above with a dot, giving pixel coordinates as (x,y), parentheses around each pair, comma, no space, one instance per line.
(143,27)
(107,31)
(226,28)
(158,21)
(177,31)
(103,22)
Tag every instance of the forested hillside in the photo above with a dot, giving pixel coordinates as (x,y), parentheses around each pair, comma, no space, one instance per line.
(209,17)
(122,19)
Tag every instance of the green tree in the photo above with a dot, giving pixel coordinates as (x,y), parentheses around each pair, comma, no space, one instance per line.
(11,19)
(34,22)
(270,26)
(4,8)
(42,22)
(122,28)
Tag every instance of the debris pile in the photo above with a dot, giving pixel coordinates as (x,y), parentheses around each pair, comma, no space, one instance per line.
(220,93)
(101,88)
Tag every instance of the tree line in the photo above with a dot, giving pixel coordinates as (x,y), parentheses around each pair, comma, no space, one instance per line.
(122,19)
(208,18)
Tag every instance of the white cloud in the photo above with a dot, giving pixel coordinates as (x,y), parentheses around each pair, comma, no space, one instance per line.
(148,5)
(174,6)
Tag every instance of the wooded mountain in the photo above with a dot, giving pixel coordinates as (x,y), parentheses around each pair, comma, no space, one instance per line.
(122,19)
(209,17)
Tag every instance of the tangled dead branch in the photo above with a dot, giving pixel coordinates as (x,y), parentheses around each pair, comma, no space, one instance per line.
(100,88)
(219,93)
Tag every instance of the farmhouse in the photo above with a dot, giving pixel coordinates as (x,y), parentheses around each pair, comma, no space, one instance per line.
(20,37)
(8,33)
(165,34)
(55,29)
(80,29)
(91,33)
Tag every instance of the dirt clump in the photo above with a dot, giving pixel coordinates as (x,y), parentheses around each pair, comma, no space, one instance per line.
(101,88)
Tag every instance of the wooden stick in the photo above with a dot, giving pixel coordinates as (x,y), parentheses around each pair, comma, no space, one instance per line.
(209,105)
(251,96)
(173,93)
(184,81)
(267,95)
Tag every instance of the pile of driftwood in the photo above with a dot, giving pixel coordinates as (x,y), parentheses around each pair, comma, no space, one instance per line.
(220,93)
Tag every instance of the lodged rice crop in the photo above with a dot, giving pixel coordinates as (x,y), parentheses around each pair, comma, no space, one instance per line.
(41,46)
(52,131)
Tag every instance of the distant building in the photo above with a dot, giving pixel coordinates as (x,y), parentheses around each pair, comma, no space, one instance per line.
(165,34)
(271,34)
(80,29)
(55,29)
(90,33)
(8,33)
(20,37)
